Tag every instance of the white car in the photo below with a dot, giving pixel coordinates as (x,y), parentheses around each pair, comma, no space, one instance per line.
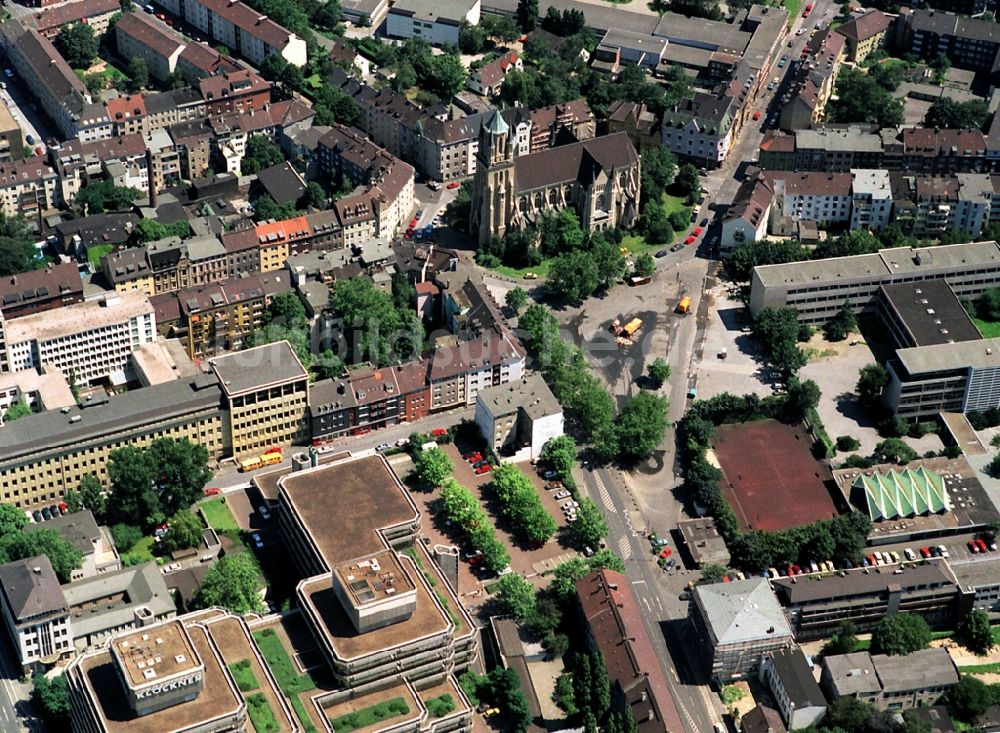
(257,541)
(943,550)
(910,554)
(564,494)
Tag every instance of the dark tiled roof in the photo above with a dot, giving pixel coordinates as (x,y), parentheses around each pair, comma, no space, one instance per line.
(577,161)
(40,285)
(79,529)
(61,15)
(29,593)
(282,182)
(866,26)
(156,36)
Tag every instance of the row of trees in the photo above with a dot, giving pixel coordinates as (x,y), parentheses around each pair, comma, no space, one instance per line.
(589,529)
(521,504)
(462,508)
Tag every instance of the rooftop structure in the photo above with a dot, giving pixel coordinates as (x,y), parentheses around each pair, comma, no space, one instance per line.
(703,541)
(925,313)
(246,371)
(903,493)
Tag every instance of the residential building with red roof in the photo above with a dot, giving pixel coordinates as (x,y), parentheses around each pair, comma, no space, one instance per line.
(95,13)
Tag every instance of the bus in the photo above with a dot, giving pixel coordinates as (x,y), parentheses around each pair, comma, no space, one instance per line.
(272,456)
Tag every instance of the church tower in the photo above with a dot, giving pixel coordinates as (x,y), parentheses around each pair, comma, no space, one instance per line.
(493,188)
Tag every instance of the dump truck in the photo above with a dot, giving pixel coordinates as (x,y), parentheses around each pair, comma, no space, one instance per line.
(631,327)
(684,306)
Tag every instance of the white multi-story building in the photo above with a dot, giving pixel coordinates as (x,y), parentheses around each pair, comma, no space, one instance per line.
(820,197)
(35,612)
(974,204)
(871,199)
(436,22)
(519,415)
(87,341)
(701,128)
(246,31)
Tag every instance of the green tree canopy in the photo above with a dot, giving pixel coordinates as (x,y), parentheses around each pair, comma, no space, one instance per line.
(573,275)
(901,633)
(641,426)
(589,529)
(433,466)
(560,454)
(862,99)
(52,699)
(65,558)
(946,113)
(644,265)
(183,531)
(100,196)
(516,299)
(150,230)
(376,329)
(970,698)
(17,249)
(17,410)
(515,596)
(78,45)
(138,72)
(659,371)
(977,632)
(872,381)
(260,153)
(520,502)
(233,583)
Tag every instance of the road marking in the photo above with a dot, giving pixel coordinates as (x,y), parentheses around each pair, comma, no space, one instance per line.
(605,496)
(624,547)
(648,607)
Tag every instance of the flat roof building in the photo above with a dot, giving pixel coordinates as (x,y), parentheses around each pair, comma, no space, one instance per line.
(702,539)
(742,620)
(81,530)
(519,417)
(924,314)
(889,682)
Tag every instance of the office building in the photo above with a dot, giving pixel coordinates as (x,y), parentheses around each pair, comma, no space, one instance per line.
(741,621)
(265,394)
(434,22)
(903,682)
(788,675)
(615,629)
(818,289)
(80,529)
(44,454)
(372,610)
(817,607)
(35,612)
(519,418)
(89,341)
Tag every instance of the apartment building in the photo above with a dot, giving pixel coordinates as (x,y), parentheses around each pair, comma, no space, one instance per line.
(970,43)
(812,87)
(242,29)
(35,613)
(788,675)
(701,128)
(818,289)
(140,36)
(219,317)
(80,529)
(741,621)
(816,608)
(236,91)
(11,137)
(615,630)
(460,368)
(95,13)
(265,393)
(488,78)
(518,418)
(865,33)
(29,187)
(824,198)
(40,290)
(871,199)
(375,616)
(981,581)
(90,341)
(42,455)
(60,93)
(748,217)
(903,682)
(431,21)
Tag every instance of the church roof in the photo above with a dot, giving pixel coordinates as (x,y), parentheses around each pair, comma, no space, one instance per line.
(497,125)
(580,161)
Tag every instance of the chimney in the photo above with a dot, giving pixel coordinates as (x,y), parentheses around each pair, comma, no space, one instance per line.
(149,176)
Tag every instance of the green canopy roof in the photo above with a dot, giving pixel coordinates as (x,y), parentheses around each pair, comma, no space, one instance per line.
(905,493)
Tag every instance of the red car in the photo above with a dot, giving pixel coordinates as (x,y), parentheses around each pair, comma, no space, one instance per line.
(981,545)
(453,185)
(756,116)
(438,432)
(690,240)
(696,232)
(973,547)
(213,491)
(413,223)
(475,457)
(925,552)
(485,468)
(666,552)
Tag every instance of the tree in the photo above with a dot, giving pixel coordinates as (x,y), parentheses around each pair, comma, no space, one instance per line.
(233,583)
(589,529)
(838,327)
(659,371)
(17,249)
(327,16)
(844,641)
(376,330)
(751,254)
(573,275)
(520,501)
(98,197)
(131,475)
(433,466)
(687,182)
(505,693)
(260,153)
(447,76)
(559,454)
(516,299)
(516,596)
(285,309)
(659,166)
(655,224)
(91,493)
(471,38)
(12,520)
(847,443)
(17,410)
(976,631)
(862,99)
(946,113)
(608,258)
(126,536)
(138,72)
(872,381)
(183,531)
(641,425)
(778,329)
(993,467)
(901,633)
(644,265)
(65,557)
(894,450)
(297,337)
(52,699)
(150,230)
(502,28)
(560,232)
(527,15)
(78,45)
(181,472)
(314,196)
(969,698)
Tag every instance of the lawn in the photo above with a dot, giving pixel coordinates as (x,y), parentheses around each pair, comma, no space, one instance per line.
(218,516)
(289,680)
(793,7)
(96,254)
(438,707)
(243,674)
(261,714)
(989,329)
(368,716)
(141,553)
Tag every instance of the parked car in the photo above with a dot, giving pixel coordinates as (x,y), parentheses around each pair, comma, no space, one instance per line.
(756,115)
(895,556)
(943,550)
(453,185)
(485,468)
(264,512)
(474,457)
(661,253)
(36,515)
(677,247)
(382,447)
(561,494)
(690,240)
(910,554)
(973,547)
(401,442)
(979,543)
(474,558)
(257,541)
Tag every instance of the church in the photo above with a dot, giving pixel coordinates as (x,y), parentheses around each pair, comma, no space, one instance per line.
(598,178)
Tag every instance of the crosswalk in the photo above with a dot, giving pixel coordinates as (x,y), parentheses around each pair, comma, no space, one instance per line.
(624,547)
(605,496)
